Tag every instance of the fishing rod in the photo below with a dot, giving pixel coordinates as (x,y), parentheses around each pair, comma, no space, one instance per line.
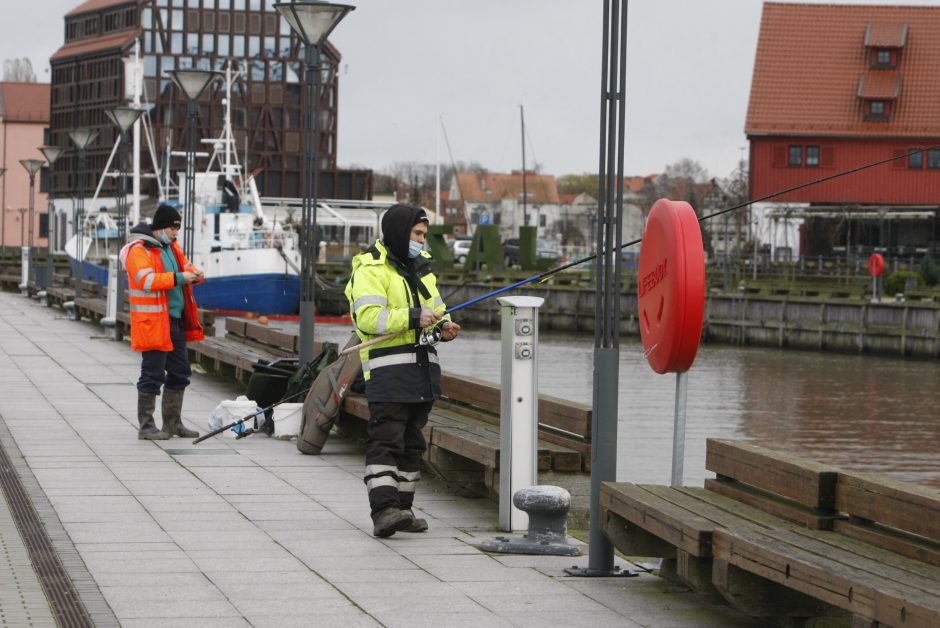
(546,274)
(245,433)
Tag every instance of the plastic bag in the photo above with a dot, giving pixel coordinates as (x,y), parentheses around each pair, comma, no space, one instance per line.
(230,410)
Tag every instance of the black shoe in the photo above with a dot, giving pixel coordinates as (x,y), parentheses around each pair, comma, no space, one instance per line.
(388,521)
(417,524)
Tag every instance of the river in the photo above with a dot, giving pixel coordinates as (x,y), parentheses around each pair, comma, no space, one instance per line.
(860,412)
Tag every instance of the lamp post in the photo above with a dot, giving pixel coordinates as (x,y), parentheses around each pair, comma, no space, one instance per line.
(82,138)
(51,153)
(32,166)
(312,22)
(192,83)
(3,220)
(123,118)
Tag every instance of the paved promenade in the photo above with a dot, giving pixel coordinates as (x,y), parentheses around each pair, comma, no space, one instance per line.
(247,532)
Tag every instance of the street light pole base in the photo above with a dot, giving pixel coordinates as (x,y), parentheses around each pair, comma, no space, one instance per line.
(587,572)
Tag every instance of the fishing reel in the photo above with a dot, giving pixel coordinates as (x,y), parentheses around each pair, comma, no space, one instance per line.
(432,335)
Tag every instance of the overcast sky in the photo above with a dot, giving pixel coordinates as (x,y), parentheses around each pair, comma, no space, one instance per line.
(408,64)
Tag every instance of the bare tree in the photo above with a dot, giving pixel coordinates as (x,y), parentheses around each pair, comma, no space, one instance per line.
(18,71)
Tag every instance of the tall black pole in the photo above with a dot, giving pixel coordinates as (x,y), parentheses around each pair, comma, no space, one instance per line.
(50,214)
(32,205)
(525,211)
(79,225)
(308,228)
(189,210)
(122,230)
(609,285)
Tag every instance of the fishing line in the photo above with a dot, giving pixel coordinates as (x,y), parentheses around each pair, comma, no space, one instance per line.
(543,276)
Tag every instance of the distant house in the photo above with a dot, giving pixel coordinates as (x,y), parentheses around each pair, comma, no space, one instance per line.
(24,114)
(836,87)
(496,198)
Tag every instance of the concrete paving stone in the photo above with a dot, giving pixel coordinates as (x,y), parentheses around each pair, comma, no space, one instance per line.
(456,568)
(185,622)
(352,618)
(443,619)
(209,540)
(179,503)
(226,580)
(195,610)
(561,619)
(271,558)
(163,590)
(184,487)
(359,591)
(572,601)
(380,605)
(97,532)
(337,575)
(148,549)
(100,564)
(257,587)
(309,606)
(379,562)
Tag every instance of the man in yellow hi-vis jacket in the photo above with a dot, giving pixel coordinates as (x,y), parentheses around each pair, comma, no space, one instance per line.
(392,289)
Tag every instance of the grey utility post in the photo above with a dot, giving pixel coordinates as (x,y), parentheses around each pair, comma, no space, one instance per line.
(109,321)
(518,425)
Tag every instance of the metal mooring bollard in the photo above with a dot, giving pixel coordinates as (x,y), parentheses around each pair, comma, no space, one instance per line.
(547,509)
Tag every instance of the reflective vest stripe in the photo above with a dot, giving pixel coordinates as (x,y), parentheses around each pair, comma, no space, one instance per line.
(438,302)
(369,300)
(143,272)
(381,325)
(375,469)
(409,476)
(150,309)
(148,282)
(394,360)
(406,487)
(382,480)
(143,294)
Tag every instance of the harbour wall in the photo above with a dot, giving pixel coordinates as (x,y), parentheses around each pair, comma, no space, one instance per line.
(906,328)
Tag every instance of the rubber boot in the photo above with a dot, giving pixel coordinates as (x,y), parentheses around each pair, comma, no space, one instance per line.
(418,524)
(389,521)
(146,404)
(172,409)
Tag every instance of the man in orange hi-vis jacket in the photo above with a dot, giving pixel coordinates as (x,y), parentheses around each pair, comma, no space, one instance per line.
(163,319)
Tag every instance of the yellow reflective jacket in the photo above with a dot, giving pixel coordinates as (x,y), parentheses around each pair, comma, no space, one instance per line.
(385,298)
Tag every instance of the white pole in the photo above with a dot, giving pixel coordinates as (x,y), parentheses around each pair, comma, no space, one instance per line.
(437,176)
(138,88)
(678,431)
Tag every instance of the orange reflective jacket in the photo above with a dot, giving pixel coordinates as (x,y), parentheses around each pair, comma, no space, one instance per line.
(148,289)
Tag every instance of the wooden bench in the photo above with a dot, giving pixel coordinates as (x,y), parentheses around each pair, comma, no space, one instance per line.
(780,536)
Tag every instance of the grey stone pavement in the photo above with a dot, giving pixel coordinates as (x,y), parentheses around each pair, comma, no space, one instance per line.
(251,532)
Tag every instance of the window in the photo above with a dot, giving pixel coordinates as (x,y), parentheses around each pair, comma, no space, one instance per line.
(812,156)
(877,108)
(883,57)
(915,160)
(933,158)
(796,156)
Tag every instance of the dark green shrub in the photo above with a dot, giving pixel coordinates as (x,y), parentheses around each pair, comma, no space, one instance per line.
(928,270)
(897,282)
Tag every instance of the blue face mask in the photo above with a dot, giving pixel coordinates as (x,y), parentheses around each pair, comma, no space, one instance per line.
(414,249)
(164,238)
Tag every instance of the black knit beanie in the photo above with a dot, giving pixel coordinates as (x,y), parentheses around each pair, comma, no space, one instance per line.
(166,216)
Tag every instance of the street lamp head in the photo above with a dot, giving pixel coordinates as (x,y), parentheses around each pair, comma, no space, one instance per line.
(193,82)
(82,138)
(123,117)
(51,153)
(312,21)
(32,165)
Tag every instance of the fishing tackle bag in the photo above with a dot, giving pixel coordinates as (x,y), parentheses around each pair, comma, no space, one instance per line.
(322,404)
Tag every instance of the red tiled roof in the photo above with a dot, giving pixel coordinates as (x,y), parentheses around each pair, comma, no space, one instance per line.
(809,61)
(884,35)
(879,84)
(94,5)
(95,44)
(490,187)
(24,102)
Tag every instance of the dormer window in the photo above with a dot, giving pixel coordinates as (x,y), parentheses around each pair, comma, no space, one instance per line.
(877,110)
(884,59)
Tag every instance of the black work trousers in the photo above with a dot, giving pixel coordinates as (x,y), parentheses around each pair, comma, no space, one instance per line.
(393,452)
(166,368)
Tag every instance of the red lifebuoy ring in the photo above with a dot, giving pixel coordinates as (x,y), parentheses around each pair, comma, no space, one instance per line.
(671,286)
(876,265)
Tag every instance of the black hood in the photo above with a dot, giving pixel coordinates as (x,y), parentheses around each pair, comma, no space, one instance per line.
(396,228)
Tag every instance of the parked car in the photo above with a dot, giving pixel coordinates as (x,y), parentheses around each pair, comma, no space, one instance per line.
(543,250)
(460,248)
